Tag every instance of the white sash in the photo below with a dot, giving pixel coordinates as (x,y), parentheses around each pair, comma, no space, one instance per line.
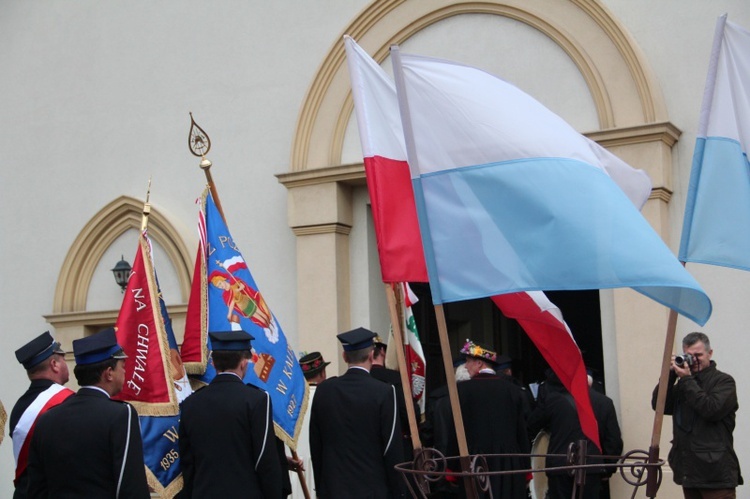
(21,431)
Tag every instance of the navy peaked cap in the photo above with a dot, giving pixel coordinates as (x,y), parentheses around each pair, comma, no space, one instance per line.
(356,339)
(97,348)
(38,350)
(230,340)
(504,362)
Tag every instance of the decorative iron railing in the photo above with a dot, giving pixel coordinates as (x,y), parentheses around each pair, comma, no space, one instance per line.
(431,469)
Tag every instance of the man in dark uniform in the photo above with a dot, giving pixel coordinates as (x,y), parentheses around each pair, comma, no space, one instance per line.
(505,371)
(492,411)
(227,442)
(45,366)
(90,446)
(392,377)
(314,369)
(354,428)
(438,430)
(556,413)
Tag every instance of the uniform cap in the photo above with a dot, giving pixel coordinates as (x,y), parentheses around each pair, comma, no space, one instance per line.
(504,362)
(356,339)
(97,348)
(38,350)
(230,341)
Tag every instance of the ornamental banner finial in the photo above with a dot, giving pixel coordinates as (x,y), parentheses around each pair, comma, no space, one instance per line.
(198,140)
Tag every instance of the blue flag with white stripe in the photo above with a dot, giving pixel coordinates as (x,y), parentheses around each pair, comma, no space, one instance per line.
(511,198)
(716,229)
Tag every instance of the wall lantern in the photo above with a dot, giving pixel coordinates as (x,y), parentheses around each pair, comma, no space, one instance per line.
(122,273)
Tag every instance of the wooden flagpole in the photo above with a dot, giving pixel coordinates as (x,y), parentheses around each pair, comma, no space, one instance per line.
(450,376)
(653,451)
(300,474)
(199,144)
(458,421)
(708,95)
(403,370)
(661,398)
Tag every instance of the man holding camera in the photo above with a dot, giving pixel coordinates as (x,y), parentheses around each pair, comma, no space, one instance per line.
(703,403)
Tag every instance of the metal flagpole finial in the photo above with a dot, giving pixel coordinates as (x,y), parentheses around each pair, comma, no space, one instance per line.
(199,143)
(146,207)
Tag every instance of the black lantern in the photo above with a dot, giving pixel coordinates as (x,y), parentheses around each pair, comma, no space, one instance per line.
(122,273)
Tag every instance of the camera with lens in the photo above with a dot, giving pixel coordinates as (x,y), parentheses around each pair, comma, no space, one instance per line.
(684,359)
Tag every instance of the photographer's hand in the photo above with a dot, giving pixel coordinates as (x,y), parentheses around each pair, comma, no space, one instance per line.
(680,371)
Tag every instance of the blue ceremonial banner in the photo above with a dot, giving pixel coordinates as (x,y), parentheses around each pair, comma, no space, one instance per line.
(235,303)
(161,453)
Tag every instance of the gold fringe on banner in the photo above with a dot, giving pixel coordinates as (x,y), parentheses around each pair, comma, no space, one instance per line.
(4,418)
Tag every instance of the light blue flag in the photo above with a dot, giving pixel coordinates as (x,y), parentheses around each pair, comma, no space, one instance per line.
(511,198)
(716,228)
(234,303)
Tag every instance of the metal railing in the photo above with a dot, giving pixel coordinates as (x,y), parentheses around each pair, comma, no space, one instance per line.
(430,468)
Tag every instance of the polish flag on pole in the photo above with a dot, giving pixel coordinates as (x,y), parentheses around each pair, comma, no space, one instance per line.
(388,178)
(389,182)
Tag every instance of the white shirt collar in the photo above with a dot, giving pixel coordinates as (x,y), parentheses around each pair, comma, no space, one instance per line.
(92,387)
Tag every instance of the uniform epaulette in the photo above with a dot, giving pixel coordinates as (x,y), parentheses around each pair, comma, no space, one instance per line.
(255,387)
